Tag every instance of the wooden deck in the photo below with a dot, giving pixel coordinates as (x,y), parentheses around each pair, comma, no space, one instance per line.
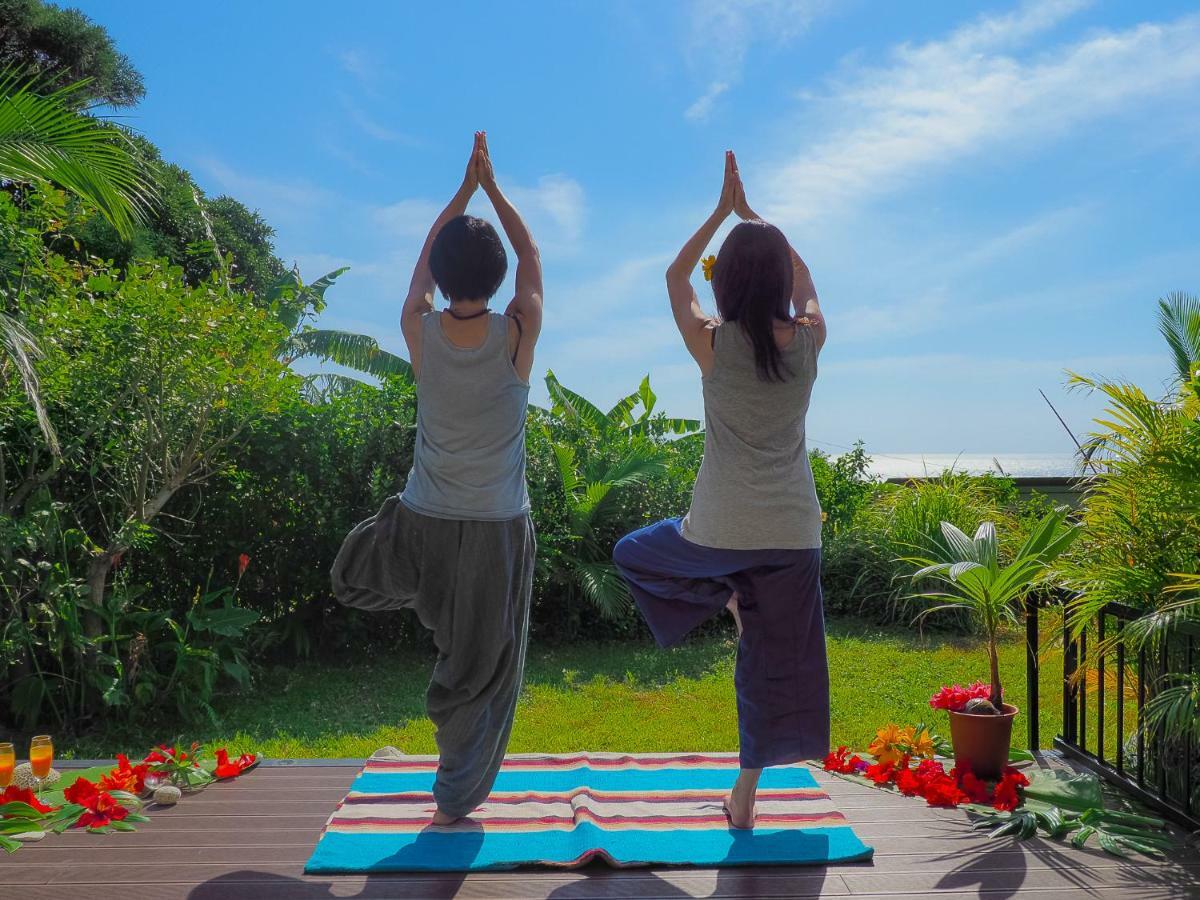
(249,839)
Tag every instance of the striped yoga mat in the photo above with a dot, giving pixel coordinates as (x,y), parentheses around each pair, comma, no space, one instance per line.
(647,809)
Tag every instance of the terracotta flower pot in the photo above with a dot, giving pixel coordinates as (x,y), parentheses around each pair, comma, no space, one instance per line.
(981,742)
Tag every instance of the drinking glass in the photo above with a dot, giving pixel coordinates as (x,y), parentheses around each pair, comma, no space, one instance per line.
(41,755)
(8,761)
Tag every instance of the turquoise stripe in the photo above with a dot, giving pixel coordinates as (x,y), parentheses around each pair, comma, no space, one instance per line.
(556,781)
(460,851)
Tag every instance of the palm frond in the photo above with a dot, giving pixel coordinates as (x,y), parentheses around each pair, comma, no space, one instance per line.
(574,406)
(603,586)
(1179,324)
(43,138)
(324,386)
(360,352)
(20,347)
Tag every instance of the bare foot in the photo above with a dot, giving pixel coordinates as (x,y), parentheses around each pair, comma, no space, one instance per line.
(441,818)
(740,809)
(732,606)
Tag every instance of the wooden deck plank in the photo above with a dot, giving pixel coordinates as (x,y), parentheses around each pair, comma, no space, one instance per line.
(249,839)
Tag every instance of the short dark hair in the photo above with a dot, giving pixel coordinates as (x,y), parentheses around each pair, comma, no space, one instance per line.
(468,259)
(752,284)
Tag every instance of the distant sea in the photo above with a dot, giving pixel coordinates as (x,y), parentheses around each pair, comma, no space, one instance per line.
(909,465)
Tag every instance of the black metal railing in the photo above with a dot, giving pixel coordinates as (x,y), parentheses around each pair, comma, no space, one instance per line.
(1157,770)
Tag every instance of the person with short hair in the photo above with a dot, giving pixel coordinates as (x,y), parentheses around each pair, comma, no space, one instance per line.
(752,537)
(457,546)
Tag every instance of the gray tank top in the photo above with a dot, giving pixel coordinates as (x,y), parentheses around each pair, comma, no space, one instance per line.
(469,460)
(755,490)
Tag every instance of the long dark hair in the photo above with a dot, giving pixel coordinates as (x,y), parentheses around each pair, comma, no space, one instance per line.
(752,283)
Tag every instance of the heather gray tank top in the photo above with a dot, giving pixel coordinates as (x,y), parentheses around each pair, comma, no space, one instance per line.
(755,490)
(469,461)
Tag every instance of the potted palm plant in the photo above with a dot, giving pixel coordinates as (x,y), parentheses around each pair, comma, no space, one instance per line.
(972,579)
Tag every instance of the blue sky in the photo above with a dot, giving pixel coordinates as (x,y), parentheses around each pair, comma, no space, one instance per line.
(986,193)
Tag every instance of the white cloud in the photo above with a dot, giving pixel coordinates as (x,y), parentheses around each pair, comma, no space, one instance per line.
(371,126)
(279,199)
(945,100)
(406,219)
(702,108)
(724,30)
(558,201)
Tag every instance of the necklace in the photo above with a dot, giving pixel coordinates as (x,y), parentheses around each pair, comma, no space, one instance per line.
(474,315)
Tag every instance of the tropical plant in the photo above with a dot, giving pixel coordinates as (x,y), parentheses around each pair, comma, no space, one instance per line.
(974,580)
(632,416)
(1179,324)
(601,458)
(44,138)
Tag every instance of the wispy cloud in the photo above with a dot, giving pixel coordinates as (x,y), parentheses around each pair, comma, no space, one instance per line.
(371,126)
(282,200)
(408,218)
(945,100)
(723,32)
(558,201)
(364,66)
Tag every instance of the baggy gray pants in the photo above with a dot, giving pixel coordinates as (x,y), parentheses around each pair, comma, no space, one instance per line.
(469,582)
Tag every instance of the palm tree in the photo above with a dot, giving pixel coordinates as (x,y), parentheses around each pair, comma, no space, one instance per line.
(974,581)
(45,138)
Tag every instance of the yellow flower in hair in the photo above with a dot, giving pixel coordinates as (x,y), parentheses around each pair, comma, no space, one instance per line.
(708,262)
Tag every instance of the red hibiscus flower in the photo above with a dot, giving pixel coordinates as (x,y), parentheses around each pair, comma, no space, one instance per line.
(1006,796)
(976,790)
(942,790)
(955,697)
(102,810)
(125,777)
(881,773)
(909,783)
(81,792)
(227,769)
(243,563)
(14,794)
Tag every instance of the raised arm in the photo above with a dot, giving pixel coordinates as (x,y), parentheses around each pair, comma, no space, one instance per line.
(693,324)
(526,305)
(804,300)
(420,290)
(805,306)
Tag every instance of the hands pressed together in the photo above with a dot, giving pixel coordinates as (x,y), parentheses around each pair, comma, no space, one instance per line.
(480,173)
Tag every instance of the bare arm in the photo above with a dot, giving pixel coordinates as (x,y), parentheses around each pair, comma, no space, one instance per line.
(805,306)
(804,300)
(526,305)
(420,290)
(693,324)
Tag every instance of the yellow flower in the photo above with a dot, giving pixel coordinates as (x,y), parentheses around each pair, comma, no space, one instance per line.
(708,262)
(905,736)
(922,745)
(884,748)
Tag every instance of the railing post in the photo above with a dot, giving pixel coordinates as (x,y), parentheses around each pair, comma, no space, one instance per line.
(1032,714)
(1070,709)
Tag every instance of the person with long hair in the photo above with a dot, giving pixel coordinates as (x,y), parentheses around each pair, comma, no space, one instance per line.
(751,540)
(457,546)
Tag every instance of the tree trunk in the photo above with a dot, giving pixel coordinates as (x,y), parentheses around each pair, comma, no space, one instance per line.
(997,697)
(97,580)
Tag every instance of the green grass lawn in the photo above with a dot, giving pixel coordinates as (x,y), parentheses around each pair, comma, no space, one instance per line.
(611,697)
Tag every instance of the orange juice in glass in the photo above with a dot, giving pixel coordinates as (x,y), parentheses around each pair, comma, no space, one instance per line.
(8,760)
(41,755)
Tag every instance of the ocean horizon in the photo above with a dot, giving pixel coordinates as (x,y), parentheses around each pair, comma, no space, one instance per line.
(911,465)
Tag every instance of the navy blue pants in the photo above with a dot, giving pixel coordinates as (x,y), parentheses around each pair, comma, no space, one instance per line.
(781,677)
